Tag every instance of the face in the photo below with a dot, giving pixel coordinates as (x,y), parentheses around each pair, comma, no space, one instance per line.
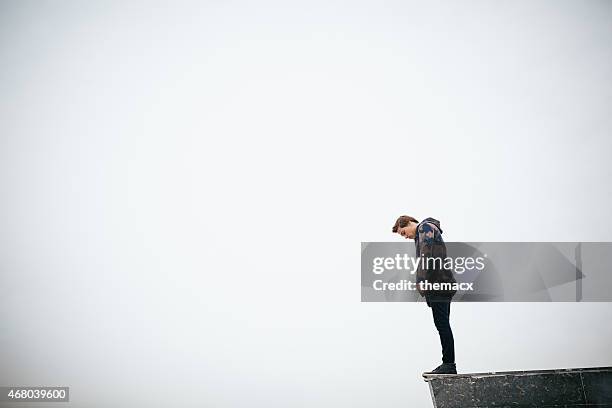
(408,232)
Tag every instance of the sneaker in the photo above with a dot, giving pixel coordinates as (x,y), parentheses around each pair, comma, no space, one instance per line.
(445,368)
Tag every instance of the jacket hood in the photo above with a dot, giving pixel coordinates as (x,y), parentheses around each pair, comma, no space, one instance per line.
(432,221)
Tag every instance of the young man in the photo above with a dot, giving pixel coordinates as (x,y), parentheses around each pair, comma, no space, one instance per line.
(427,237)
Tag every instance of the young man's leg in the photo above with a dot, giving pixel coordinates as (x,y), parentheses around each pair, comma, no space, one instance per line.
(441,316)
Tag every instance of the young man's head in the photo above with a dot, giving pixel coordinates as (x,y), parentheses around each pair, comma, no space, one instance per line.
(406,226)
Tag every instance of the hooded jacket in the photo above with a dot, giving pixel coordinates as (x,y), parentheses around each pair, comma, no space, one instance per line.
(429,244)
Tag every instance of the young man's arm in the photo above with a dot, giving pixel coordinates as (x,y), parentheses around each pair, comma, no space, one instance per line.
(426,234)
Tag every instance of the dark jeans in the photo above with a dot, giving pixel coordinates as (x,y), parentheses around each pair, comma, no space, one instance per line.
(440,309)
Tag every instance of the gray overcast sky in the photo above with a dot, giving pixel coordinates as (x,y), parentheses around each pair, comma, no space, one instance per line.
(185,186)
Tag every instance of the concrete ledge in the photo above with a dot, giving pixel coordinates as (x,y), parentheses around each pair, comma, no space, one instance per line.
(574,387)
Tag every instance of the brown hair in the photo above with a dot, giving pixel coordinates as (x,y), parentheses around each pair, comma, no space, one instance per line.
(402,222)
